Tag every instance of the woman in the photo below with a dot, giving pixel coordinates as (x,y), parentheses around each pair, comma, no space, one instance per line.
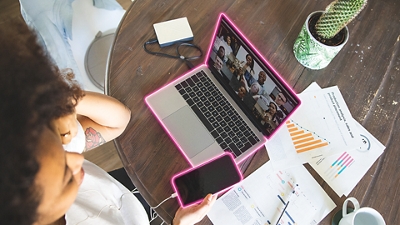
(248,67)
(227,44)
(40,181)
(269,118)
(270,113)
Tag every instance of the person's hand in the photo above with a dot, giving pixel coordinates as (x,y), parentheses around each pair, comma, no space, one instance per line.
(267,117)
(193,214)
(241,72)
(256,97)
(242,80)
(67,127)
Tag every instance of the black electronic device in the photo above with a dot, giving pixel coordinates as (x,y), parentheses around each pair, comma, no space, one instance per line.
(212,177)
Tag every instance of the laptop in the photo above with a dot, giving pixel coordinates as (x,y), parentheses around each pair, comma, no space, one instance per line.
(233,102)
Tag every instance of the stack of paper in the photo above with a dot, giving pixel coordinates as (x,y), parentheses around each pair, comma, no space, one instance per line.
(324,134)
(262,196)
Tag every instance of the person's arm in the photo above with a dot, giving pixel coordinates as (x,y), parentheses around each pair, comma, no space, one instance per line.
(102,117)
(244,83)
(193,214)
(256,97)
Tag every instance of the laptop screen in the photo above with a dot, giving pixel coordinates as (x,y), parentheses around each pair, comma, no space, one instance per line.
(249,79)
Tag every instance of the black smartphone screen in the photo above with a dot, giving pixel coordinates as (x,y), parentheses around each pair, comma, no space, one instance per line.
(212,177)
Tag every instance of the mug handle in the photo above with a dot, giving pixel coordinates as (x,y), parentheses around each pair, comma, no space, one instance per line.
(355,203)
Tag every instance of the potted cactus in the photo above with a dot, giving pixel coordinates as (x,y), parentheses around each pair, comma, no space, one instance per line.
(325,33)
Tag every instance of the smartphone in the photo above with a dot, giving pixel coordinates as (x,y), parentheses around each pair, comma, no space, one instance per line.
(211,177)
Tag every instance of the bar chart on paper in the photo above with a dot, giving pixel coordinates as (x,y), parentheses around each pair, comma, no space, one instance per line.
(262,198)
(342,171)
(299,205)
(303,139)
(339,165)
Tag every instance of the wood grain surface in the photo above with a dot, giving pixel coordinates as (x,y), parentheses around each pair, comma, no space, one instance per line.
(367,72)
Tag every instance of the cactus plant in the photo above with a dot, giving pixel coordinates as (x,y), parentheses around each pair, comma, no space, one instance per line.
(325,33)
(337,15)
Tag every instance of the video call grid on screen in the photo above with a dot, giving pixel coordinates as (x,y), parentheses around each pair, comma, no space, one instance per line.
(239,68)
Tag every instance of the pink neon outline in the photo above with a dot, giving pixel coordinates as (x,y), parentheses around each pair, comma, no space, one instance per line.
(203,164)
(223,15)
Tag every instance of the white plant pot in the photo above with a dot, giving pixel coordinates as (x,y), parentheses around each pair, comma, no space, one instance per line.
(310,52)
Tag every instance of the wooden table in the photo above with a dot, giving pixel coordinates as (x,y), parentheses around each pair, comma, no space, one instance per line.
(367,71)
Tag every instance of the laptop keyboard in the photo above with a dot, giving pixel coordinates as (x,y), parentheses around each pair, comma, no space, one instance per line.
(217,114)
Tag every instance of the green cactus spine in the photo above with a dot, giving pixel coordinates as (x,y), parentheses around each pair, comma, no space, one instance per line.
(337,15)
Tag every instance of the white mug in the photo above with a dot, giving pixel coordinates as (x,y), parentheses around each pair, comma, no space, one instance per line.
(360,216)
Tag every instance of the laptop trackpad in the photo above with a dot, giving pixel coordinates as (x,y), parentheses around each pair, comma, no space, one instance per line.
(188,131)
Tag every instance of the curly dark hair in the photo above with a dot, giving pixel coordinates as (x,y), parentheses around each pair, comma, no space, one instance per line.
(33,93)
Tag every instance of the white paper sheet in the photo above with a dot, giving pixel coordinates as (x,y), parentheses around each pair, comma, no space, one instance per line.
(321,127)
(261,197)
(344,170)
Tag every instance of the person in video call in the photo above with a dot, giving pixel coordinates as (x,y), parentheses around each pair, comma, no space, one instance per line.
(248,68)
(268,119)
(219,59)
(254,89)
(280,99)
(218,63)
(238,75)
(234,45)
(270,113)
(221,52)
(227,45)
(241,92)
(262,77)
(41,183)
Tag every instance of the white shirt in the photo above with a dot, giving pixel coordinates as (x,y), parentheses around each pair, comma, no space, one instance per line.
(101,199)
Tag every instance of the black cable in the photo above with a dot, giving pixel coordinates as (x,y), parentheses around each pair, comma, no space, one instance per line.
(179,55)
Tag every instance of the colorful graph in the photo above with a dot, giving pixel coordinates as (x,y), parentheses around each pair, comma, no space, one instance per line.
(339,165)
(287,217)
(285,182)
(304,140)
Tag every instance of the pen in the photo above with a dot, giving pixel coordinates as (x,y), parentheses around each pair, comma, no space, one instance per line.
(287,203)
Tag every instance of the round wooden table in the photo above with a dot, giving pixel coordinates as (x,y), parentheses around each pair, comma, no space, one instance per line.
(366,72)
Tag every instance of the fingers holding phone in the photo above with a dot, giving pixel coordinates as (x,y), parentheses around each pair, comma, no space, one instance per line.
(214,176)
(194,213)
(197,188)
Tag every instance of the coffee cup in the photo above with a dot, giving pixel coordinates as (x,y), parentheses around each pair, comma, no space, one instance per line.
(360,216)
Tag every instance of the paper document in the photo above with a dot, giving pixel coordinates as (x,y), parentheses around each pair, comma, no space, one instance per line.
(344,170)
(321,127)
(261,197)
